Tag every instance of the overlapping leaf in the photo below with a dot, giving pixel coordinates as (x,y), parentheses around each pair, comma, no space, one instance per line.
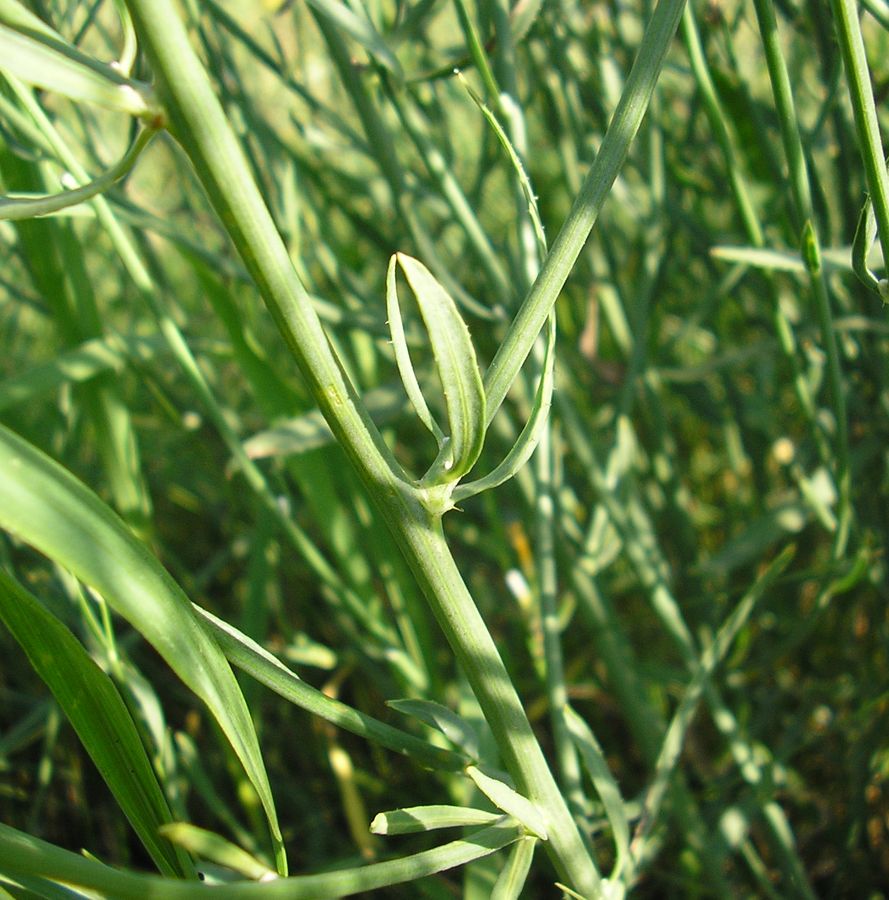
(46,506)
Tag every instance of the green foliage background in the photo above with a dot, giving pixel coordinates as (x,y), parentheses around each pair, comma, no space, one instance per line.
(694,434)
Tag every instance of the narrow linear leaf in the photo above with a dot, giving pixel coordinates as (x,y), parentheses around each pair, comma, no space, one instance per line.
(529,438)
(512,877)
(89,699)
(47,62)
(211,847)
(510,801)
(453,726)
(12,207)
(457,369)
(865,236)
(403,357)
(429,818)
(603,781)
(257,662)
(46,506)
(522,16)
(18,16)
(781,260)
(515,161)
(127,56)
(22,855)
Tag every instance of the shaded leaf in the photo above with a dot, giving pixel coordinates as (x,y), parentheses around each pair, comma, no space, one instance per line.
(89,699)
(453,726)
(46,506)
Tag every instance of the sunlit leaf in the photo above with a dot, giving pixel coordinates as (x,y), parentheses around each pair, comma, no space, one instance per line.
(429,818)
(510,801)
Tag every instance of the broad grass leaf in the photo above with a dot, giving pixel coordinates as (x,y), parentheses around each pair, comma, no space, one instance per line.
(427,818)
(46,506)
(93,706)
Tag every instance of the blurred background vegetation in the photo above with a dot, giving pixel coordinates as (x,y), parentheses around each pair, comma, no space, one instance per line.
(694,434)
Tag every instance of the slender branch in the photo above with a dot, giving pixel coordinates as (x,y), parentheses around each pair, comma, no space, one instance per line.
(596,186)
(845,14)
(198,122)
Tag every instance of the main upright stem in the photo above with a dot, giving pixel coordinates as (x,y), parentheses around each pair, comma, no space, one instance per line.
(198,122)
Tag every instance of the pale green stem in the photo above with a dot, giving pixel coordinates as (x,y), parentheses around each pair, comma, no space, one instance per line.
(548,583)
(198,122)
(596,186)
(175,340)
(845,14)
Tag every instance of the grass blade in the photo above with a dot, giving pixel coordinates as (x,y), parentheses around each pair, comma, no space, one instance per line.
(101,719)
(46,506)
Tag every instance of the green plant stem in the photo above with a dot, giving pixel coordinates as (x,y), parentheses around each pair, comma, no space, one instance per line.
(845,14)
(802,195)
(198,122)
(181,351)
(574,232)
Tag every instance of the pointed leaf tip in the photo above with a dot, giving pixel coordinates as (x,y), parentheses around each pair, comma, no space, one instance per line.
(457,368)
